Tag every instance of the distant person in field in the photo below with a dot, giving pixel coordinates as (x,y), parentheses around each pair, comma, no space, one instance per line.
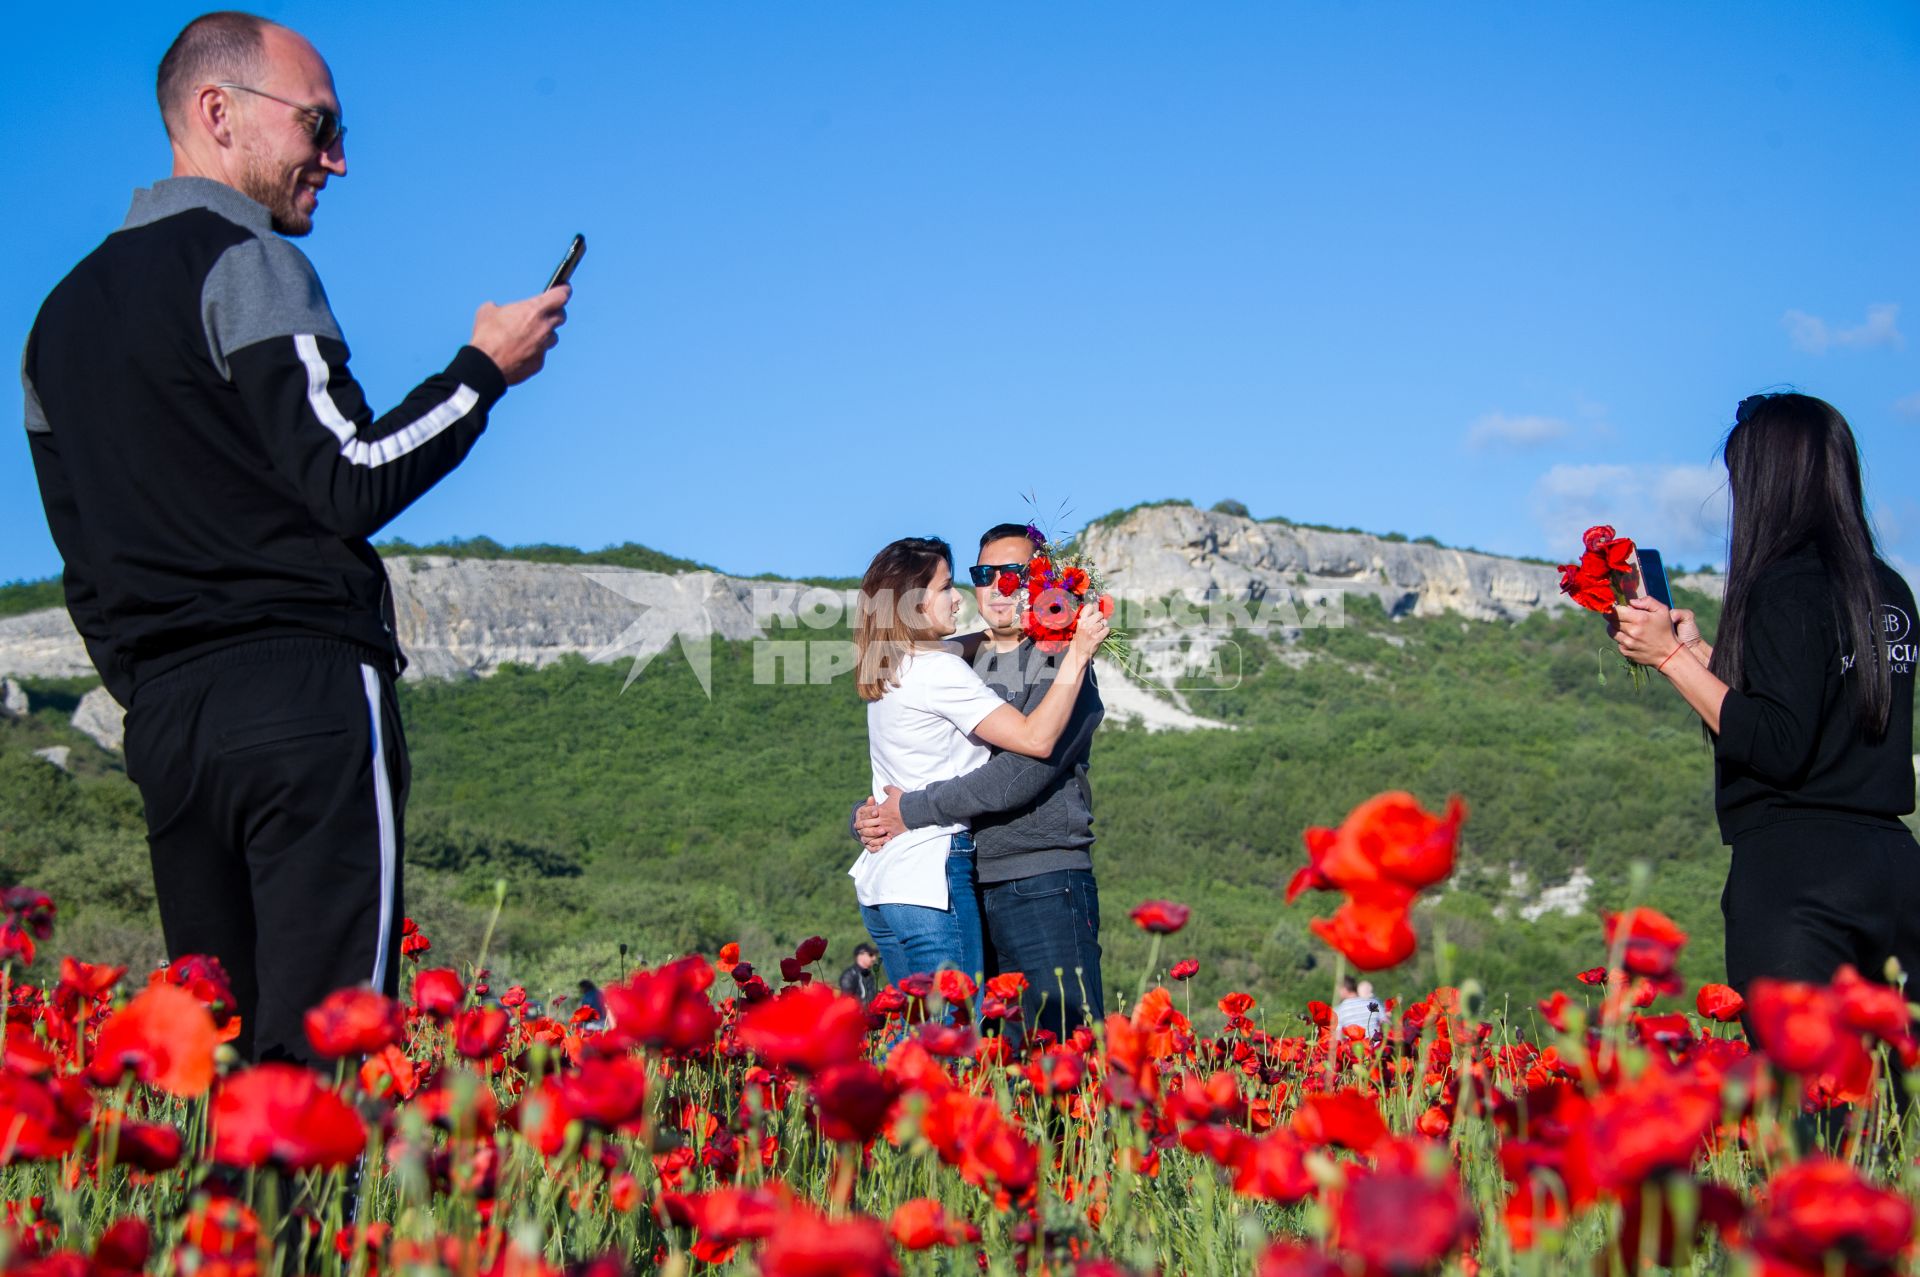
(860,980)
(1358,1006)
(930,718)
(211,474)
(1808,700)
(1031,817)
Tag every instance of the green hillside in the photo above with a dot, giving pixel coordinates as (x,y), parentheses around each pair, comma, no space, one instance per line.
(665,821)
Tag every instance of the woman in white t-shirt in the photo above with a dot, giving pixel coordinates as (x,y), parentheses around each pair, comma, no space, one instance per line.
(930,717)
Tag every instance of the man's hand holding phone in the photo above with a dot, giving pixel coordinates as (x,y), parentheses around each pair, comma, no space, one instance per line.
(518,336)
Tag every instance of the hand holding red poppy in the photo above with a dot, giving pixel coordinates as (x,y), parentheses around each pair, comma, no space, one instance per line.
(1644,631)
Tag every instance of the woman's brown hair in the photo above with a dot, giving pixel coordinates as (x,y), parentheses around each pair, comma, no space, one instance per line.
(888,622)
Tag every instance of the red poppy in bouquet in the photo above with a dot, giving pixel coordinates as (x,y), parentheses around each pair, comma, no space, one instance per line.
(1061,580)
(1607,576)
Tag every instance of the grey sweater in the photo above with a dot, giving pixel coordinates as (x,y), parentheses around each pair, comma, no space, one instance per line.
(1029,816)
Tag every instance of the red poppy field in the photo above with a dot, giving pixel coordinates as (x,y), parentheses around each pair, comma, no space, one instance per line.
(734,1113)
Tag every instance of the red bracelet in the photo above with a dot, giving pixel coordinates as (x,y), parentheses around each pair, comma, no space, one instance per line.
(1661,668)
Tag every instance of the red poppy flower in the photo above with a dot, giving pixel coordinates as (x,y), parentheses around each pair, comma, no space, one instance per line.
(726,1216)
(389,1073)
(29,914)
(921,1223)
(413,941)
(479,1032)
(124,1247)
(811,950)
(152,1146)
(1652,941)
(1291,1259)
(164,1037)
(1008,986)
(1803,1029)
(1657,1123)
(954,986)
(1878,1009)
(1719,1002)
(729,956)
(438,992)
(1345,1119)
(1405,1214)
(1554,1010)
(1388,838)
(853,1101)
(1590,582)
(809,1027)
(285,1116)
(1272,1169)
(202,975)
(1821,1216)
(223,1228)
(1161,917)
(1371,929)
(40,1119)
(1592,976)
(668,1008)
(806,1244)
(1186,969)
(83,982)
(1234,1005)
(355,1021)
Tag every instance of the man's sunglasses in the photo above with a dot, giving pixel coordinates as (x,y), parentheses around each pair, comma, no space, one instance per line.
(327,128)
(988,573)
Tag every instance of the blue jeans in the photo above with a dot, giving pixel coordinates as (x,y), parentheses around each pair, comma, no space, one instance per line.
(914,939)
(1047,927)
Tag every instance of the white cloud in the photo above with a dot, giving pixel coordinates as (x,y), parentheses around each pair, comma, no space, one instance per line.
(1909,407)
(1679,510)
(1816,336)
(1497,429)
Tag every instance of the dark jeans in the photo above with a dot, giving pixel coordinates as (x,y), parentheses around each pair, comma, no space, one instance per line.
(1047,927)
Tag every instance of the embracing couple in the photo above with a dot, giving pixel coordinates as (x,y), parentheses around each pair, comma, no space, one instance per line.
(978,834)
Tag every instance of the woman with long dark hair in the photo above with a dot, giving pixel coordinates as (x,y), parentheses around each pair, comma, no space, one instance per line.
(930,718)
(1808,700)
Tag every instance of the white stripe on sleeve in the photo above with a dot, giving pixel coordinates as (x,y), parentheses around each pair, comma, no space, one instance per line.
(362,452)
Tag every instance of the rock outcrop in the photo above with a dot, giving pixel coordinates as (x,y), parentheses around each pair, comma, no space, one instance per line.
(100,717)
(13,699)
(1157,551)
(465,618)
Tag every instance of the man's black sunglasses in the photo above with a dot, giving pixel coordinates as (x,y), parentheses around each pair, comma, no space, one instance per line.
(988,573)
(326,128)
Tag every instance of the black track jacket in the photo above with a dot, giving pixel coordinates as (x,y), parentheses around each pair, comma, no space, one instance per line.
(210,470)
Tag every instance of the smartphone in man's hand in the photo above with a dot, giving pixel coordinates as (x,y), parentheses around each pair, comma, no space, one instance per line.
(563,273)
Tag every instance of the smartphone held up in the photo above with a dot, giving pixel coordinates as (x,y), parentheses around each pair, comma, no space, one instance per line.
(563,273)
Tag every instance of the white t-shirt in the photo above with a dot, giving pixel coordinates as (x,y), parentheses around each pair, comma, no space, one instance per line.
(919,732)
(1364,1012)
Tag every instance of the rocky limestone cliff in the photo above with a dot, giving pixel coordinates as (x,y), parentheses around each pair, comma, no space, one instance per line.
(465,618)
(1155,551)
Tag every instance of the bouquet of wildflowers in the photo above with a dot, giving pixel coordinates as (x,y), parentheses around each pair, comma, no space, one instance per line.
(1607,576)
(1061,579)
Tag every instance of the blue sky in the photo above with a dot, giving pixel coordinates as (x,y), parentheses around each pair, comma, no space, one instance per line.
(1484,272)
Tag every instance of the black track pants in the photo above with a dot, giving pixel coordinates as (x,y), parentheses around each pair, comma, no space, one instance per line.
(275,781)
(1805,896)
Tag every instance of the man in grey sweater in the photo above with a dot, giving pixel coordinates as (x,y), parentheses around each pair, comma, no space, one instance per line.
(1032,818)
